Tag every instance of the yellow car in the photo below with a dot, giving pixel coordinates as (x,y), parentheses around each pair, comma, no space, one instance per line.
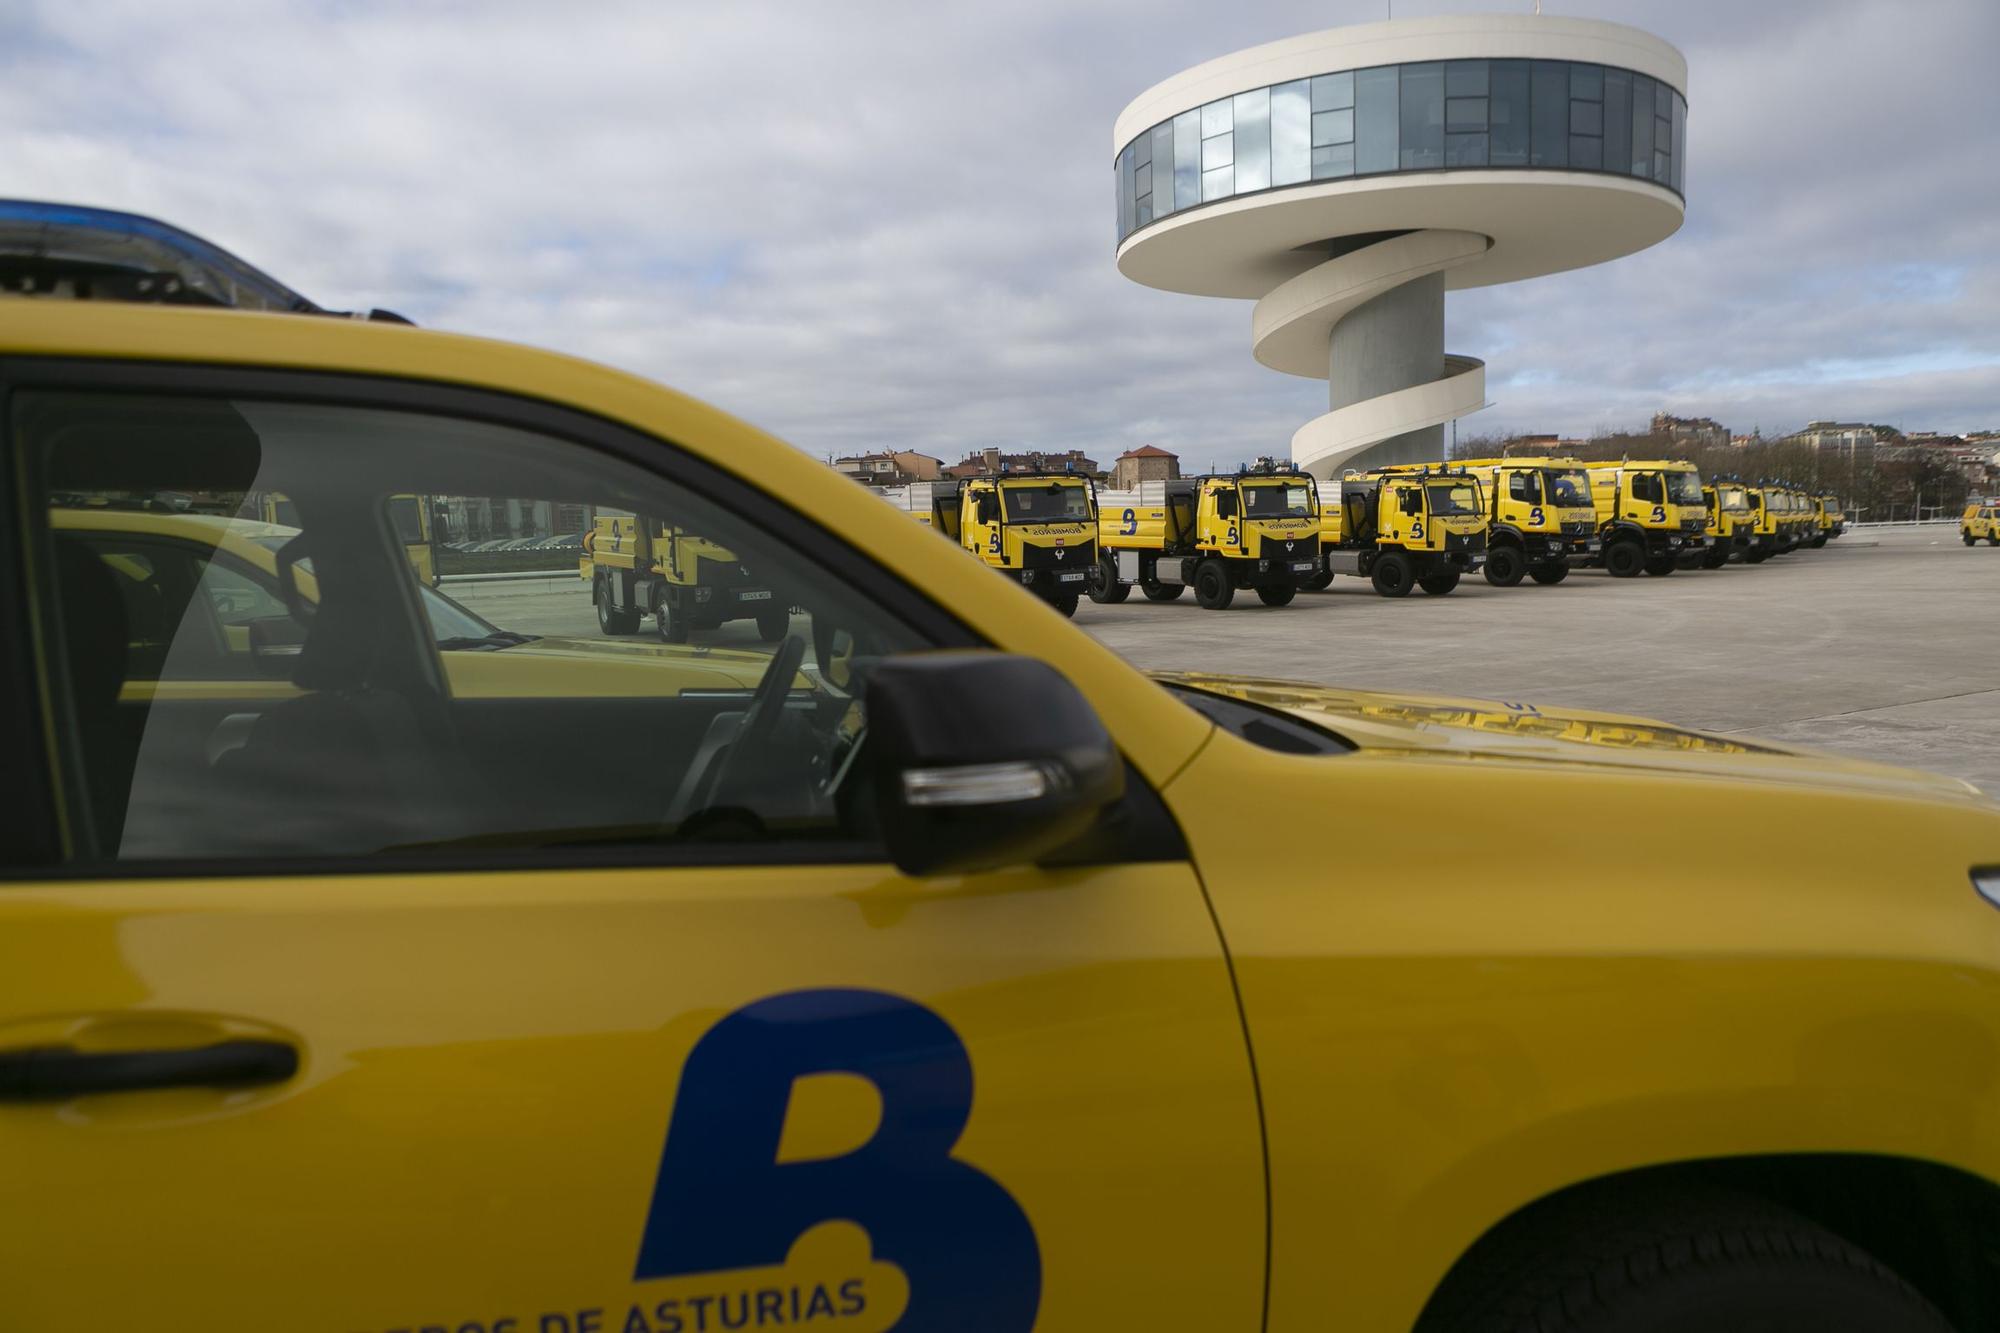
(990,985)
(1980,520)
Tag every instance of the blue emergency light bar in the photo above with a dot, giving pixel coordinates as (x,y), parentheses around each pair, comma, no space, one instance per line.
(70,252)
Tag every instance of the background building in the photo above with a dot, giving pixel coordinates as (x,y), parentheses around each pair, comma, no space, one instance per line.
(1345,179)
(889,469)
(989,461)
(1691,432)
(1146,463)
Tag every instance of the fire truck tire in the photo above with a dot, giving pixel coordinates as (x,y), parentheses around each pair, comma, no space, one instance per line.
(1277,596)
(1064,603)
(1994,538)
(1715,557)
(1661,568)
(1212,587)
(1319,582)
(1505,565)
(1104,585)
(1818,541)
(1393,575)
(1968,539)
(773,623)
(1624,558)
(1440,583)
(671,625)
(1162,592)
(1555,571)
(610,619)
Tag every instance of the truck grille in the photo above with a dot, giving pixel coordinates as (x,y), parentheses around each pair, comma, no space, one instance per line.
(1077,555)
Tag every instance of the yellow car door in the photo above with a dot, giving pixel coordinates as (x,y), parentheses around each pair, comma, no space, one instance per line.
(355,1004)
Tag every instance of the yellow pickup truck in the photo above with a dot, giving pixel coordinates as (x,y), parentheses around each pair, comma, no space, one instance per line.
(955,974)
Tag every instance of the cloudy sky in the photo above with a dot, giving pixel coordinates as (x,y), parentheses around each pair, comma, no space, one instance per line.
(874,225)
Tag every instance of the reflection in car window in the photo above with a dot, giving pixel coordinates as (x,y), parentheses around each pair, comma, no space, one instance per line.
(694,681)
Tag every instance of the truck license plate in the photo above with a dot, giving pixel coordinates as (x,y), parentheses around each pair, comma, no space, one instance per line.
(764,596)
(1077,577)
(1302,566)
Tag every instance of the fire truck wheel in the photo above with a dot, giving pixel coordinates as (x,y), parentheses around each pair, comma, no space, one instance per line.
(1167,592)
(672,625)
(1211,586)
(1393,575)
(1660,568)
(1505,565)
(1319,582)
(1555,571)
(1064,603)
(1440,583)
(609,618)
(1624,559)
(1104,584)
(1276,596)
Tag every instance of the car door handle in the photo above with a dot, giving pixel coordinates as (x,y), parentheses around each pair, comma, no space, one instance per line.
(44,1073)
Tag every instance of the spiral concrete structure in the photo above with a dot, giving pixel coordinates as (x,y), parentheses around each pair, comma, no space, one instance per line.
(1345,180)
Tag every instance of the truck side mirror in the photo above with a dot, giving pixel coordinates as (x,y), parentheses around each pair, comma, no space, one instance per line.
(984,760)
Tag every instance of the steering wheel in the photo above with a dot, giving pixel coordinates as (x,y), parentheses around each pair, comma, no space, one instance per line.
(767,704)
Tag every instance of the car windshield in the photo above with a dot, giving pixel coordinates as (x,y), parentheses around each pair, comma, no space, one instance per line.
(1453,497)
(1684,488)
(1276,499)
(1047,502)
(1568,489)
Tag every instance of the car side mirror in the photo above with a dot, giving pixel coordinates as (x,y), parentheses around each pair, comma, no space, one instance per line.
(275,645)
(984,760)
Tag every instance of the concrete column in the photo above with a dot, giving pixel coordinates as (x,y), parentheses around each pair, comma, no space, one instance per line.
(1392,342)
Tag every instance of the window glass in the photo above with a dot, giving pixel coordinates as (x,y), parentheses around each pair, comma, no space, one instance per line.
(1586,153)
(1333,161)
(1125,196)
(236,687)
(1163,168)
(1291,133)
(1586,118)
(1465,150)
(1646,486)
(1587,82)
(1663,101)
(1218,151)
(1218,184)
(1187,159)
(1617,119)
(1331,92)
(1550,144)
(1642,125)
(1333,127)
(1253,140)
(1465,114)
(1680,143)
(1465,78)
(1216,118)
(1508,113)
(1524,486)
(1422,144)
(1377,114)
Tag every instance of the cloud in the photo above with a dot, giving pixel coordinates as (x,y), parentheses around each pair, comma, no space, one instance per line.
(890,225)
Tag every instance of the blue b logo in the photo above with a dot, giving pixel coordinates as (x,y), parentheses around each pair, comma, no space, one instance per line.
(724,1201)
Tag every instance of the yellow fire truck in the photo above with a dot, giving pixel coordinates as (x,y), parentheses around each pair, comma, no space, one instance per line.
(1539,513)
(1732,522)
(1404,530)
(1649,514)
(642,565)
(1039,528)
(1251,529)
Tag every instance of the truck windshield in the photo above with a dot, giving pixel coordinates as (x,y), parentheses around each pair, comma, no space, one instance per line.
(1275,499)
(1684,488)
(1047,502)
(1734,497)
(1452,497)
(1569,489)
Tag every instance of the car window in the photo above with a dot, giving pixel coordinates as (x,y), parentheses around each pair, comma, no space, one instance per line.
(238,686)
